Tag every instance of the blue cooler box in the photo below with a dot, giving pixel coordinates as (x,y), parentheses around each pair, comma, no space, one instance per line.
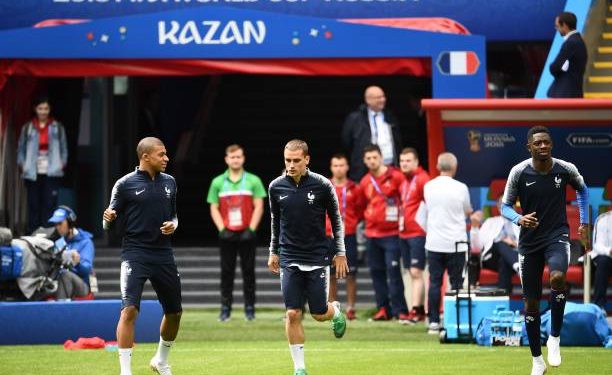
(484,303)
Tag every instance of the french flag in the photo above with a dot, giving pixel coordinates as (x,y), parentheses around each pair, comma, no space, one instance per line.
(458,63)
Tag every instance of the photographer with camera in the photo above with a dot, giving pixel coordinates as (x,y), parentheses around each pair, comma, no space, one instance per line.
(77,257)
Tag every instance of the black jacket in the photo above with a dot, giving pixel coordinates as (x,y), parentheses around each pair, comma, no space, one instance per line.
(569,84)
(356,134)
(298,220)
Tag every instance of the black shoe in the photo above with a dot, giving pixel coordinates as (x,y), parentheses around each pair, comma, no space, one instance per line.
(249,313)
(225,314)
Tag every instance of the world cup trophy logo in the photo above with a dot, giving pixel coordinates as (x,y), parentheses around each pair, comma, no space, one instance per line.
(473,137)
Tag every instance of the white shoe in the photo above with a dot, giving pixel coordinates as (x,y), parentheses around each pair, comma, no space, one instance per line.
(554,352)
(160,368)
(539,366)
(434,328)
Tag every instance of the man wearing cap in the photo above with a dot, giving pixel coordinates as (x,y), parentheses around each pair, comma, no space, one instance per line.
(78,254)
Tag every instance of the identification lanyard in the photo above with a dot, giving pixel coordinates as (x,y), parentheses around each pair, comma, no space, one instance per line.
(242,187)
(375,128)
(390,201)
(343,209)
(406,194)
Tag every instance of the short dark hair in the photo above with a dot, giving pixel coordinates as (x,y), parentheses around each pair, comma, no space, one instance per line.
(370,148)
(41,100)
(569,19)
(410,150)
(339,155)
(146,145)
(535,130)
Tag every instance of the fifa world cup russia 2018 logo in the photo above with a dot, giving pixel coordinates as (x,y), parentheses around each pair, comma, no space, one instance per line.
(474,137)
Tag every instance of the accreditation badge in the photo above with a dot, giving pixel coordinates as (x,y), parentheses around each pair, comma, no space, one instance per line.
(392,211)
(235,216)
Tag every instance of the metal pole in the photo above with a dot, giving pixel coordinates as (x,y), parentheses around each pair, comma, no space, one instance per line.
(586,284)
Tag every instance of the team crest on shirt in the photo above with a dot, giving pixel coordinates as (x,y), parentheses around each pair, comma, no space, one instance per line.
(311,197)
(558,182)
(168,191)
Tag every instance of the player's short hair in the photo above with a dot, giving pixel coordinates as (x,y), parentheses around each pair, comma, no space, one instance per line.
(41,100)
(447,162)
(371,148)
(297,144)
(146,145)
(569,19)
(535,130)
(410,150)
(340,155)
(232,148)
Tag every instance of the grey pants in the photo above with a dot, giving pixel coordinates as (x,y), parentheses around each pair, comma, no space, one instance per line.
(70,285)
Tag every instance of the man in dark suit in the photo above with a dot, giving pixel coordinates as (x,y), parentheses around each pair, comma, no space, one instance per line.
(370,124)
(568,67)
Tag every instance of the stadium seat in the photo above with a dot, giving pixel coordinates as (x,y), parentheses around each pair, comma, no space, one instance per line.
(496,188)
(570,194)
(574,276)
(573,219)
(608,190)
(88,297)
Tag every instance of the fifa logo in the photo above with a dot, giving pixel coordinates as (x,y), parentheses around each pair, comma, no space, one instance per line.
(558,182)
(473,137)
(168,191)
(310,197)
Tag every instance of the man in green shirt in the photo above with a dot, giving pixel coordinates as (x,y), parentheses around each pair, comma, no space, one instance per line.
(236,207)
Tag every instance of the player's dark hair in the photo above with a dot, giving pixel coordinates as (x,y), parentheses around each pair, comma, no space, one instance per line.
(535,130)
(41,100)
(370,148)
(569,19)
(146,145)
(339,155)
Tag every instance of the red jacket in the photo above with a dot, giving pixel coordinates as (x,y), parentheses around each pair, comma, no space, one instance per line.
(353,212)
(376,211)
(412,196)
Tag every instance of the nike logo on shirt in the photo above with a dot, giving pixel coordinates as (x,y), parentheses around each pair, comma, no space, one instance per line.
(530,183)
(140,192)
(280,198)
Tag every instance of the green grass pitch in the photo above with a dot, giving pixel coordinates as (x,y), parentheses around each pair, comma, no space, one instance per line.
(207,347)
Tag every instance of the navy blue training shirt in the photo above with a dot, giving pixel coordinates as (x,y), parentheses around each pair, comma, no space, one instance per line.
(544,194)
(144,204)
(298,220)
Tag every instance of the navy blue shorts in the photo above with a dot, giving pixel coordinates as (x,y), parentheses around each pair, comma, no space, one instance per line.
(300,286)
(556,255)
(350,244)
(413,252)
(164,278)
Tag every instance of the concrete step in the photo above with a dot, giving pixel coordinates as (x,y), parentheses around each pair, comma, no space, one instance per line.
(598,95)
(600,79)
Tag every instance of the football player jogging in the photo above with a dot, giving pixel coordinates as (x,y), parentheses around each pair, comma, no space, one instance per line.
(539,184)
(299,250)
(146,199)
(352,203)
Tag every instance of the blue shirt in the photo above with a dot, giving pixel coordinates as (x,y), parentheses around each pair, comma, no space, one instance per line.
(544,194)
(144,204)
(298,220)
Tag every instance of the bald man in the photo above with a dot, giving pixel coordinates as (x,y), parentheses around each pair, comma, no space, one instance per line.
(448,206)
(371,123)
(146,198)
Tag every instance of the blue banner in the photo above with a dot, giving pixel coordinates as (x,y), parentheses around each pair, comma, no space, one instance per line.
(485,153)
(495,19)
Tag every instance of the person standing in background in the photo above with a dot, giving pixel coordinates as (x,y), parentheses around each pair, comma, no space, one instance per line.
(412,235)
(381,188)
(569,65)
(371,123)
(236,207)
(352,203)
(448,206)
(602,257)
(42,155)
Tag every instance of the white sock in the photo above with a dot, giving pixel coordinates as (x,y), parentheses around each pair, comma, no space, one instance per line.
(125,360)
(297,354)
(516,267)
(163,350)
(337,311)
